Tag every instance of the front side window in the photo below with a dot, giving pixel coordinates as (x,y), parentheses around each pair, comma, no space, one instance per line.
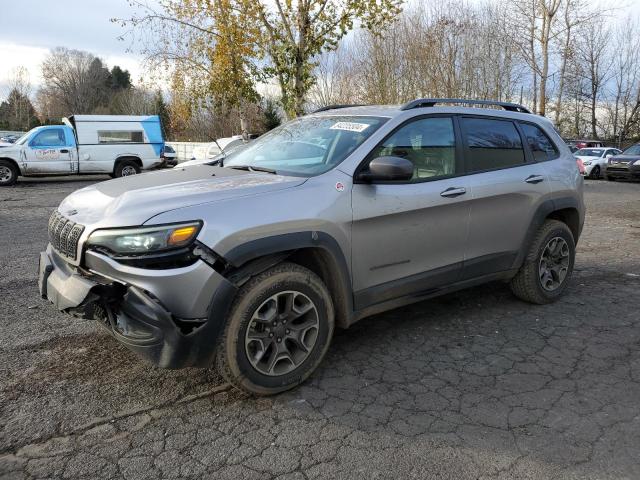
(541,146)
(491,144)
(53,137)
(120,136)
(429,143)
(306,146)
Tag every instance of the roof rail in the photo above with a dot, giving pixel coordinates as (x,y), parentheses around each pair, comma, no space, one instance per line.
(335,107)
(431,102)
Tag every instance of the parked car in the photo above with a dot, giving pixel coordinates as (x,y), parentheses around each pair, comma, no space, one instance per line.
(586,144)
(321,222)
(232,147)
(9,138)
(625,166)
(208,151)
(168,156)
(595,160)
(119,145)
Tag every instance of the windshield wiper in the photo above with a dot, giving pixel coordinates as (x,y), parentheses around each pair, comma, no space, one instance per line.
(250,168)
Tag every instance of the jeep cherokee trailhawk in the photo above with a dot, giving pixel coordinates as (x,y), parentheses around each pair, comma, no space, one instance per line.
(251,261)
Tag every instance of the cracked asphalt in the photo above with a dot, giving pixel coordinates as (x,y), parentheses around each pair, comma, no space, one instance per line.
(472,385)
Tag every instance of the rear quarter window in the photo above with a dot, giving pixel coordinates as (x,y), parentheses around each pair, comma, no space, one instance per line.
(539,142)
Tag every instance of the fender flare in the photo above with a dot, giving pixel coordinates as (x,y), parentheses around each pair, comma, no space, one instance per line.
(280,246)
(543,211)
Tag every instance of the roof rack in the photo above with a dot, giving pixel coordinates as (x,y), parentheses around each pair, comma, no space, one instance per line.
(335,107)
(430,102)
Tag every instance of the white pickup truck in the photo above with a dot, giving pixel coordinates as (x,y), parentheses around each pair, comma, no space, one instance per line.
(118,145)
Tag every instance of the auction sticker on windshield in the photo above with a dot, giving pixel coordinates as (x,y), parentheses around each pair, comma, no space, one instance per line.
(350,126)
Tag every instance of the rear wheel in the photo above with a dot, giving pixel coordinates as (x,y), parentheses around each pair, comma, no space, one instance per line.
(278,331)
(8,173)
(126,168)
(548,266)
(595,173)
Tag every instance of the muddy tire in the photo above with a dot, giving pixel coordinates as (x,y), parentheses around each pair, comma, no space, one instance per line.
(8,173)
(278,330)
(547,268)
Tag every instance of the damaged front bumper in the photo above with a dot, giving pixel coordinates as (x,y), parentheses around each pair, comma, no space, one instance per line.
(171,317)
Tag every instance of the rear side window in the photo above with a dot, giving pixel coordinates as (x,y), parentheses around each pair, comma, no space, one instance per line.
(120,136)
(491,144)
(540,144)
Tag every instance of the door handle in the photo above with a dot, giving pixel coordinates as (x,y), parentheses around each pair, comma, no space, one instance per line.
(534,179)
(64,150)
(453,192)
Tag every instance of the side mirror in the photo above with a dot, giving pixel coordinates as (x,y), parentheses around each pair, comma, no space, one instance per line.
(386,169)
(608,156)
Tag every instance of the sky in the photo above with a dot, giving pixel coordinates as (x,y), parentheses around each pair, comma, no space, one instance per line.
(29,28)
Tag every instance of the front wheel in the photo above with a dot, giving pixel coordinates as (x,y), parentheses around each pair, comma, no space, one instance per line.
(278,331)
(595,173)
(8,173)
(544,275)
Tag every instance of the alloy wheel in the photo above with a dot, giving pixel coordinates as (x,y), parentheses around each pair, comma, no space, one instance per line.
(128,170)
(554,264)
(5,174)
(282,333)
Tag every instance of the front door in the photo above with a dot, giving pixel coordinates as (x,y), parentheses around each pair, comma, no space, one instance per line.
(48,153)
(409,237)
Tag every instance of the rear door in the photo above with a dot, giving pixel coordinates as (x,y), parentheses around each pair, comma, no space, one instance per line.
(506,184)
(409,237)
(49,152)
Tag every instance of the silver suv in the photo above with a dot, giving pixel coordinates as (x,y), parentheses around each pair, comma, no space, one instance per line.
(252,261)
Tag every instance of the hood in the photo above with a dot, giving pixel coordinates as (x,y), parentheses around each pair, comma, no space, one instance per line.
(586,158)
(133,200)
(6,144)
(624,158)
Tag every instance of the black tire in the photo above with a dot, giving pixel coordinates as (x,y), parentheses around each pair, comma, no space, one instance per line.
(232,355)
(125,168)
(595,173)
(8,173)
(527,284)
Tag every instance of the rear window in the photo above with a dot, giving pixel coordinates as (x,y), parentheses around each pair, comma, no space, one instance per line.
(120,136)
(540,144)
(492,144)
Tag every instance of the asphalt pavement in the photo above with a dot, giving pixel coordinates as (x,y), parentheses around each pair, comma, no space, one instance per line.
(472,385)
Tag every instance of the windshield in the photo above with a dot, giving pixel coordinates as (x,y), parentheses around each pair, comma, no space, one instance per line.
(587,152)
(633,150)
(306,146)
(23,139)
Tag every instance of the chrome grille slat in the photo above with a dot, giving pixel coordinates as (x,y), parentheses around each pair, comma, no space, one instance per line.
(64,235)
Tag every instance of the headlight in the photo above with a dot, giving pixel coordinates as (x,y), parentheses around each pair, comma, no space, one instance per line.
(637,162)
(145,239)
(587,163)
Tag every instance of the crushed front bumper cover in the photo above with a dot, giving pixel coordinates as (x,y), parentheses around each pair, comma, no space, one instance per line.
(135,316)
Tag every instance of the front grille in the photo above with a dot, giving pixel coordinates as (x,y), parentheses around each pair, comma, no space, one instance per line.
(617,169)
(64,235)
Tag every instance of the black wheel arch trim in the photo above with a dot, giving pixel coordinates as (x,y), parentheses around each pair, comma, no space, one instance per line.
(544,210)
(255,256)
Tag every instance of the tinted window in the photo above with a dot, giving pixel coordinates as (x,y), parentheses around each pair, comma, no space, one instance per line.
(428,142)
(633,150)
(119,136)
(541,146)
(492,144)
(49,138)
